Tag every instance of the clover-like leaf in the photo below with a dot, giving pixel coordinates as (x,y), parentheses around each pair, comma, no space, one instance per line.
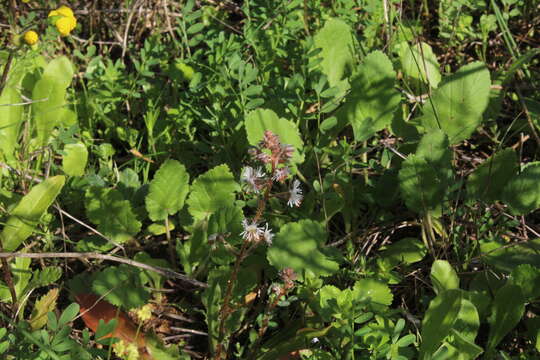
(373,99)
(299,245)
(457,105)
(168,190)
(212,190)
(113,215)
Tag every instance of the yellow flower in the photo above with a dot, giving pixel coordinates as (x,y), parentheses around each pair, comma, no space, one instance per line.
(127,351)
(64,20)
(31,37)
(144,313)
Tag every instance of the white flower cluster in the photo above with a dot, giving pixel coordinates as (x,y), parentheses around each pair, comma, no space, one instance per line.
(254,233)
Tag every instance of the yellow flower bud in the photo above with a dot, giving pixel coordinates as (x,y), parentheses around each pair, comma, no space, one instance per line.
(31,37)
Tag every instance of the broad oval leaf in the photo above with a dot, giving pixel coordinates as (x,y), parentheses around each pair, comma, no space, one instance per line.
(438,321)
(457,105)
(522,192)
(299,245)
(75,159)
(168,190)
(10,121)
(443,276)
(489,179)
(260,120)
(407,251)
(24,218)
(371,104)
(212,190)
(121,286)
(508,308)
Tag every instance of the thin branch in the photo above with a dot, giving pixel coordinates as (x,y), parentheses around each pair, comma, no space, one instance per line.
(92,255)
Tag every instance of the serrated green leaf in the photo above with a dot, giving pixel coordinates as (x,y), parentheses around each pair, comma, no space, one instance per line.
(46,276)
(24,218)
(522,192)
(439,320)
(101,203)
(212,190)
(336,41)
(457,105)
(75,159)
(443,276)
(299,245)
(45,304)
(508,308)
(10,121)
(260,120)
(372,101)
(121,286)
(527,277)
(489,179)
(420,63)
(168,190)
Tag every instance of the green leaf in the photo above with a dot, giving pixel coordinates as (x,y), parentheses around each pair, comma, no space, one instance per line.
(421,185)
(113,215)
(212,190)
(24,218)
(527,277)
(459,348)
(121,286)
(489,179)
(336,41)
(508,308)
(420,63)
(46,276)
(300,340)
(443,276)
(371,104)
(260,120)
(49,97)
(225,222)
(61,69)
(506,258)
(522,192)
(299,245)
(75,159)
(45,304)
(468,320)
(439,320)
(372,291)
(168,190)
(457,105)
(68,314)
(407,251)
(10,121)
(21,272)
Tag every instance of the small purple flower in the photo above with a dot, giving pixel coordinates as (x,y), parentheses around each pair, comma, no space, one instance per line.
(281,174)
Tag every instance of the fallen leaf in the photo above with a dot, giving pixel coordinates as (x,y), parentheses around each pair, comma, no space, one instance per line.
(94,309)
